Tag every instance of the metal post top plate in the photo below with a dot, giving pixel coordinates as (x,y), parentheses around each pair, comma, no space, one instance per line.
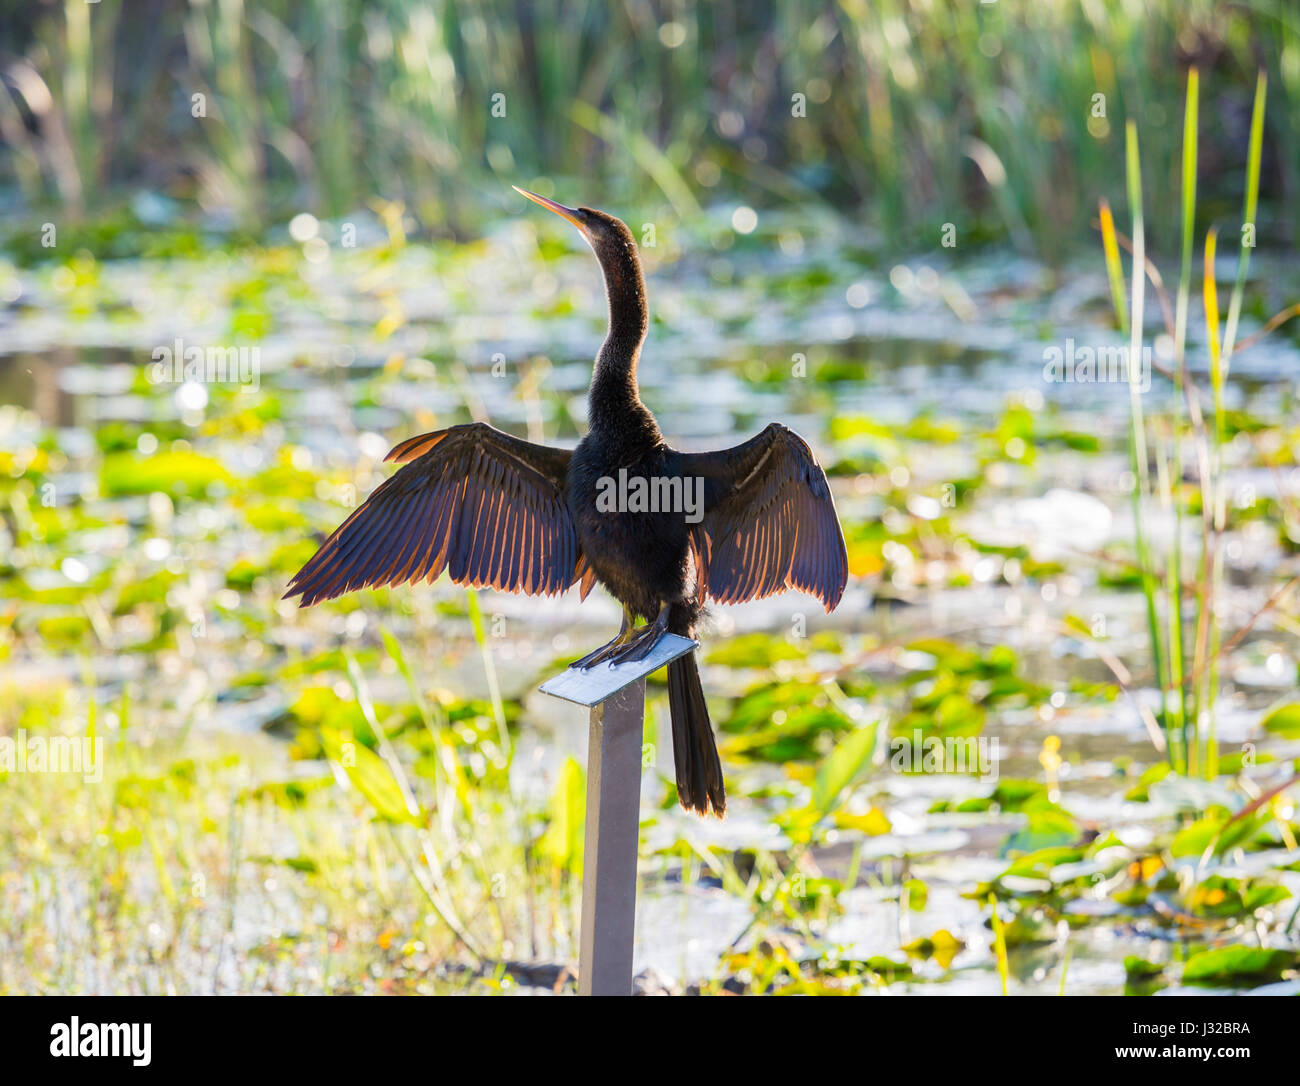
(593,686)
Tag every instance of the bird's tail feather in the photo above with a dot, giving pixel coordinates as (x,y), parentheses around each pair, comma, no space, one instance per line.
(699,772)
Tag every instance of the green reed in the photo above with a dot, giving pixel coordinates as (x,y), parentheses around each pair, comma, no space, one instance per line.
(909,113)
(1188,688)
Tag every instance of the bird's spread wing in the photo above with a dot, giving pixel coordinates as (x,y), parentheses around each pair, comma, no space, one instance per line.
(487,507)
(769,521)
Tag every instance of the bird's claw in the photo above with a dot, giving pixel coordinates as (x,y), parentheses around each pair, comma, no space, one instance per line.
(639,646)
(586,663)
(630,645)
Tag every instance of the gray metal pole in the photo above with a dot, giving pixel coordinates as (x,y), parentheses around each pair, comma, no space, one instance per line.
(610,854)
(616,698)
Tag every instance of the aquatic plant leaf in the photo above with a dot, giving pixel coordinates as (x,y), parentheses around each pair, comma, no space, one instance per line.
(942,946)
(369,774)
(873,823)
(1284,721)
(178,472)
(849,758)
(1232,964)
(1136,968)
(1046,829)
(563,840)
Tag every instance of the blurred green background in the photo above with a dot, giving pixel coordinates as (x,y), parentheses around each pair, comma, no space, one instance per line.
(903,114)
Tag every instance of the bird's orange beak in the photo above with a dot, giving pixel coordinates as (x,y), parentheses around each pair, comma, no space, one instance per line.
(567,213)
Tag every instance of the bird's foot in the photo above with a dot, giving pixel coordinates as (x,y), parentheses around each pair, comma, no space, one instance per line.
(641,642)
(604,652)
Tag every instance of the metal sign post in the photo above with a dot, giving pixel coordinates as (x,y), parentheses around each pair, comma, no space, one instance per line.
(616,697)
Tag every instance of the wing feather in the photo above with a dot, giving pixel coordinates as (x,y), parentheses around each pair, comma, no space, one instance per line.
(769,523)
(487,507)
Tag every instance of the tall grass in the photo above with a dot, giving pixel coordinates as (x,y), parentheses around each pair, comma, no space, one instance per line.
(1188,688)
(1000,118)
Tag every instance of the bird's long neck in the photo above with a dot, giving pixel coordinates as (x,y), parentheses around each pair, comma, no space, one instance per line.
(613,396)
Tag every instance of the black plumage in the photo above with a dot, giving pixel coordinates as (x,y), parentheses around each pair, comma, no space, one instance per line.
(496,511)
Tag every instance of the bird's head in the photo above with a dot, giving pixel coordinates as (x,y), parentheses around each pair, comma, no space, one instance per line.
(615,248)
(608,236)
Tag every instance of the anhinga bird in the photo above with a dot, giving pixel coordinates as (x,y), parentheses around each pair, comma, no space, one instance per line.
(494,510)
